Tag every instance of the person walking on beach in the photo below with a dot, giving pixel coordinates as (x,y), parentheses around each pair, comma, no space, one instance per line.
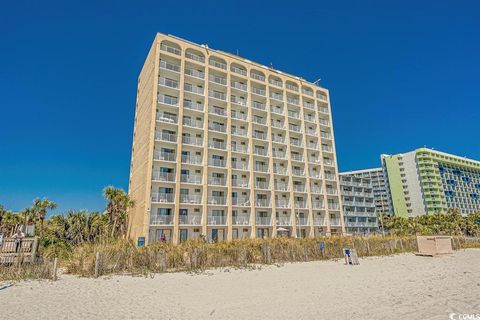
(18,237)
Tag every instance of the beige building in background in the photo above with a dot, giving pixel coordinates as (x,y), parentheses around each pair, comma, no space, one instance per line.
(228,148)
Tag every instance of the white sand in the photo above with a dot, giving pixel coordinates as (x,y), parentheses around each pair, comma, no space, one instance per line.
(398,287)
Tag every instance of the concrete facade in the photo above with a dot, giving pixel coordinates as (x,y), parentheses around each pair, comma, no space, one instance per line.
(227,148)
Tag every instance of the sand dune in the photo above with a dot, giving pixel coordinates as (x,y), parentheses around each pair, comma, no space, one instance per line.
(398,287)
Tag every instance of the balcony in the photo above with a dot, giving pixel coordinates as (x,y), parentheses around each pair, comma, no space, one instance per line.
(279,154)
(327,148)
(323,110)
(324,122)
(217,111)
(216,200)
(217,220)
(282,203)
(279,186)
(193,220)
(159,220)
(216,79)
(195,159)
(320,221)
(278,139)
(257,76)
(217,127)
(193,105)
(262,185)
(294,128)
(277,83)
(293,114)
(280,170)
(164,136)
(169,66)
(239,148)
(165,82)
(259,106)
(190,199)
(260,152)
(335,222)
(315,175)
(194,57)
(322,97)
(317,205)
(241,220)
(239,131)
(300,204)
(296,143)
(312,146)
(217,95)
(307,92)
(293,101)
(328,162)
(193,89)
(284,221)
(221,163)
(163,176)
(311,132)
(217,181)
(239,115)
(239,71)
(259,135)
(241,202)
(296,157)
(217,64)
(168,100)
(240,183)
(188,122)
(191,178)
(195,73)
(164,156)
(276,96)
(263,221)
(192,141)
(261,168)
(277,111)
(170,49)
(316,189)
(302,221)
(239,101)
(299,188)
(330,177)
(333,206)
(167,118)
(313,160)
(240,86)
(332,192)
(309,105)
(298,172)
(259,92)
(291,87)
(309,119)
(163,197)
(221,145)
(262,203)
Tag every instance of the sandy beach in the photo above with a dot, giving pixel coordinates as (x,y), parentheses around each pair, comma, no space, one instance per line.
(402,287)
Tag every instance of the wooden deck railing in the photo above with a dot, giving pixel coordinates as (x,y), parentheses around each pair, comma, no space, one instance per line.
(26,249)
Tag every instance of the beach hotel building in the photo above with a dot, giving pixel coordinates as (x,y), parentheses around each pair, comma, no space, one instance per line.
(358,203)
(228,148)
(428,181)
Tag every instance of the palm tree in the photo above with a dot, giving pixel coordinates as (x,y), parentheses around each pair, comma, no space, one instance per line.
(27,213)
(40,208)
(118,203)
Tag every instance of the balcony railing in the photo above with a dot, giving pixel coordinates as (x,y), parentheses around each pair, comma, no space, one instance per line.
(259,120)
(194,220)
(262,203)
(239,115)
(261,168)
(259,135)
(170,49)
(240,148)
(191,198)
(217,95)
(321,97)
(239,86)
(327,148)
(281,186)
(280,170)
(331,191)
(302,221)
(298,172)
(323,110)
(216,79)
(263,221)
(192,123)
(241,201)
(276,96)
(333,206)
(163,176)
(218,64)
(240,183)
(278,139)
(284,221)
(169,137)
(277,83)
(291,87)
(217,220)
(309,105)
(238,100)
(311,132)
(258,91)
(169,66)
(324,122)
(163,197)
(217,111)
(296,157)
(217,162)
(260,152)
(165,156)
(169,100)
(158,220)
(300,204)
(294,128)
(325,135)
(194,141)
(221,145)
(168,83)
(312,145)
(316,189)
(239,131)
(167,118)
(264,185)
(317,205)
(191,178)
(282,203)
(216,181)
(257,76)
(279,125)
(194,57)
(193,89)
(217,127)
(258,105)
(279,154)
(195,159)
(241,220)
(308,118)
(193,105)
(293,101)
(217,200)
(293,114)
(299,188)
(195,73)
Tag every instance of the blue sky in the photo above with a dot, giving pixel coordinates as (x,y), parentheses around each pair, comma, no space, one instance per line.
(402,74)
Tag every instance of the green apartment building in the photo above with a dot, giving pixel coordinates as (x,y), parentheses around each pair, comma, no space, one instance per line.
(428,181)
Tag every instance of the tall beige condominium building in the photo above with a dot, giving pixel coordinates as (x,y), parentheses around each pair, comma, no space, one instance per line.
(228,148)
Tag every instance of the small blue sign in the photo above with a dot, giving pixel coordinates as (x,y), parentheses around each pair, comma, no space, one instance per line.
(141,241)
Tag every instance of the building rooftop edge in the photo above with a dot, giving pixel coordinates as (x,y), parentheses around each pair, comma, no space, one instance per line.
(245,60)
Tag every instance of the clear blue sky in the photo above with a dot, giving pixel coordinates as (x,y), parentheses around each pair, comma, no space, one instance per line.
(402,74)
